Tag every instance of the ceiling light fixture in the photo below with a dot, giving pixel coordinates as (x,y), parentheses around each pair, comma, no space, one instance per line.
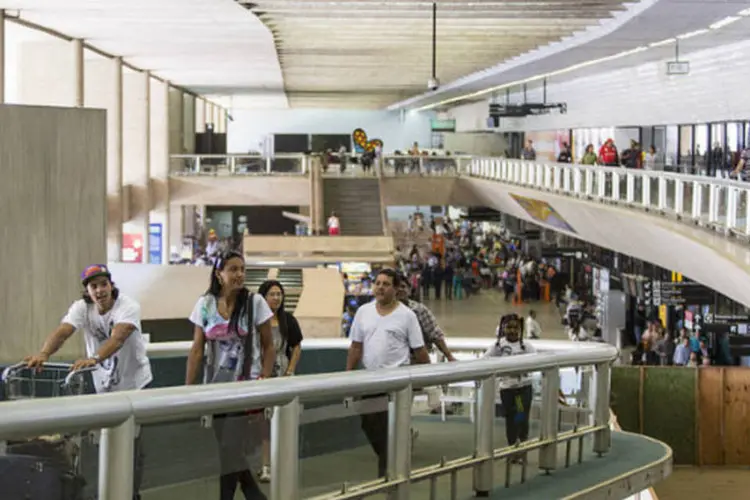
(724,22)
(692,34)
(668,41)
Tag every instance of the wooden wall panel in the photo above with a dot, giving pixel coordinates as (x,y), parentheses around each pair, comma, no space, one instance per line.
(736,415)
(710,416)
(52,218)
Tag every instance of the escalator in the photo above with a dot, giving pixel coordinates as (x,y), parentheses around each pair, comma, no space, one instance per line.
(254,276)
(291,280)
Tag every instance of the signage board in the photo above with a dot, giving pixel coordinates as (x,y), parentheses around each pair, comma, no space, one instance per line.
(675,294)
(678,67)
(132,248)
(155,243)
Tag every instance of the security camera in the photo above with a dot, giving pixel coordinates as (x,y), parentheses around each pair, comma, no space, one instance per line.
(433,84)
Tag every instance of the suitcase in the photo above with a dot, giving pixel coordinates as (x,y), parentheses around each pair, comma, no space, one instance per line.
(30,478)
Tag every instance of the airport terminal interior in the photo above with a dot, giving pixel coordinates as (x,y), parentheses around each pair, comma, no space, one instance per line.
(339,250)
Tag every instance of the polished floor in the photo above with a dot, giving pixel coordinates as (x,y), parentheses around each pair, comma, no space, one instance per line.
(708,482)
(477,316)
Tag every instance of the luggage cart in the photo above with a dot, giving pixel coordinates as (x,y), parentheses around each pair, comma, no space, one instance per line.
(44,467)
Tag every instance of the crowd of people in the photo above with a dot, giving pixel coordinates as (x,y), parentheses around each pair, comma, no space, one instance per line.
(659,347)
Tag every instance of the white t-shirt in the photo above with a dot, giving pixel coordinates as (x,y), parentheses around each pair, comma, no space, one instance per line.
(505,348)
(386,340)
(532,328)
(226,361)
(127,369)
(333,222)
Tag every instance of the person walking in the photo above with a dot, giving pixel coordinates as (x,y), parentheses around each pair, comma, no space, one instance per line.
(115,346)
(515,391)
(384,334)
(232,341)
(287,341)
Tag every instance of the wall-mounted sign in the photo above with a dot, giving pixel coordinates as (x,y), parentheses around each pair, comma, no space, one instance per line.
(155,243)
(674,294)
(132,248)
(678,68)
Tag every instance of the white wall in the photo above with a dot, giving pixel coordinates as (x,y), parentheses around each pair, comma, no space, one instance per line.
(715,90)
(250,128)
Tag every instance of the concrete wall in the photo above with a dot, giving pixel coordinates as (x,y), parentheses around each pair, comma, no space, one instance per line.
(53,218)
(321,304)
(227,191)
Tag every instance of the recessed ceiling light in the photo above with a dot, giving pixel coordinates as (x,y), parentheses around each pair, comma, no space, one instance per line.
(724,22)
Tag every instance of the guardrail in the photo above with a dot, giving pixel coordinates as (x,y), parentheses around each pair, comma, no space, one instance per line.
(239,164)
(118,415)
(720,204)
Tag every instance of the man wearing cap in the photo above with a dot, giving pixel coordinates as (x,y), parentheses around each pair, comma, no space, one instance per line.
(115,347)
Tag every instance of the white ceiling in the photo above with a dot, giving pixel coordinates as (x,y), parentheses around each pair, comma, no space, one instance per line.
(369,54)
(208,46)
(662,19)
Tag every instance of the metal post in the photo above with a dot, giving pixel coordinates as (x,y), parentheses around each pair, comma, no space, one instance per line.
(550,419)
(116,451)
(602,438)
(285,450)
(168,202)
(399,442)
(484,439)
(80,78)
(2,56)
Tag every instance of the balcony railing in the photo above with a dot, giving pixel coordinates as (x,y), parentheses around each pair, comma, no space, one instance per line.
(119,415)
(238,164)
(719,204)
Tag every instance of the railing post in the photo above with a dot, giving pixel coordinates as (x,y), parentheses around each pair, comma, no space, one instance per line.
(602,438)
(645,191)
(747,212)
(713,202)
(662,193)
(116,452)
(601,184)
(732,195)
(629,187)
(679,197)
(197,165)
(697,201)
(232,165)
(268,164)
(285,450)
(484,445)
(616,186)
(399,443)
(550,419)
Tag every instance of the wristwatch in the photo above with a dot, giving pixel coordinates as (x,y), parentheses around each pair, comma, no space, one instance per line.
(96,358)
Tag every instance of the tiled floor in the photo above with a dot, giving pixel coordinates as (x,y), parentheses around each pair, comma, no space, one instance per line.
(478,315)
(705,483)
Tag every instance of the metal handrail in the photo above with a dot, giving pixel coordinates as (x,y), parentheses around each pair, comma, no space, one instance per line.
(118,414)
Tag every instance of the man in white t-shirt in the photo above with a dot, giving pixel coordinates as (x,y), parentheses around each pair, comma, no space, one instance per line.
(384,334)
(115,347)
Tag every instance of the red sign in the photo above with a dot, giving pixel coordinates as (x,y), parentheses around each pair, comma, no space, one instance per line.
(132,248)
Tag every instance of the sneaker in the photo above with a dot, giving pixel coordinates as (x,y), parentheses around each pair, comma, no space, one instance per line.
(264,476)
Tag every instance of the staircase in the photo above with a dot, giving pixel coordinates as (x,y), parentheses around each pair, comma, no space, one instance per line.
(357,204)
(291,280)
(254,276)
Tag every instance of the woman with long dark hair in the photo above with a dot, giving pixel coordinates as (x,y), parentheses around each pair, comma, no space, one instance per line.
(233,330)
(287,340)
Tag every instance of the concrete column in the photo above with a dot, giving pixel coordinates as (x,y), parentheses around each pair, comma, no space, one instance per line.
(80,75)
(147,160)
(2,56)
(159,161)
(217,111)
(118,161)
(200,116)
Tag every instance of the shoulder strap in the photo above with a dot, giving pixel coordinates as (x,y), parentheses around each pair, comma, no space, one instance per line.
(248,359)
